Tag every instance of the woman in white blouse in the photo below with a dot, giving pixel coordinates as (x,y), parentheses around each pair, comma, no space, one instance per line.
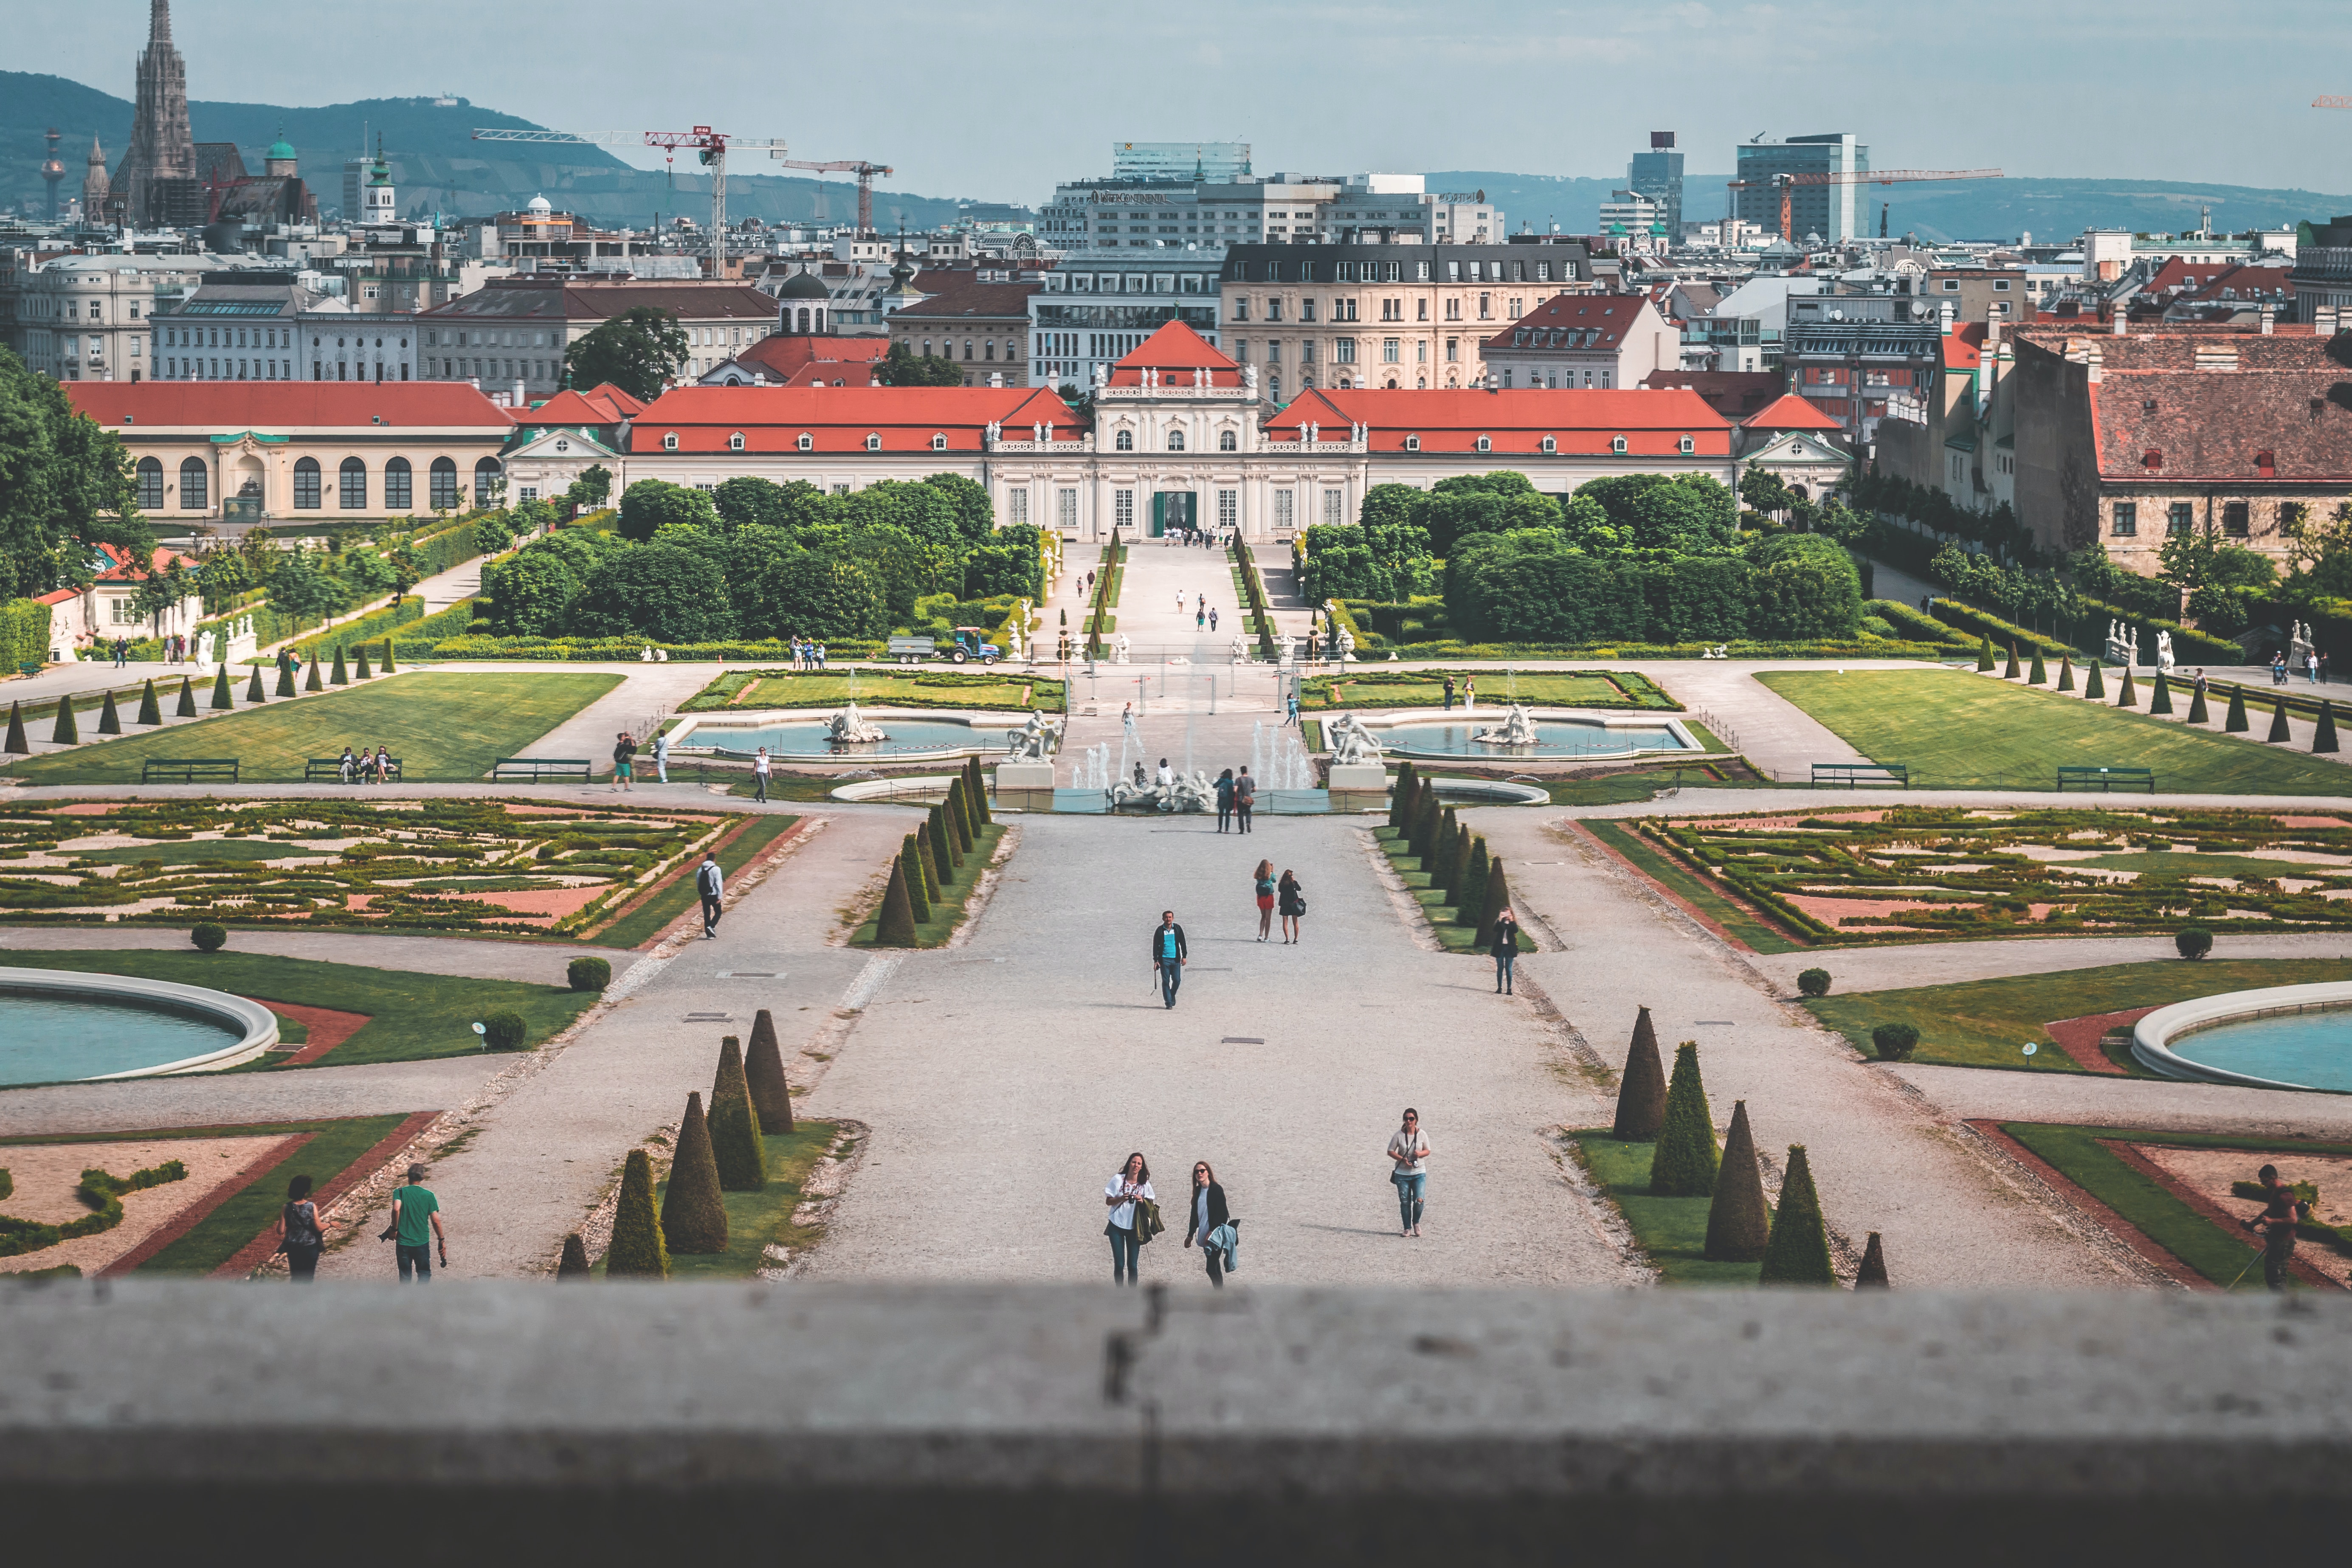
(1120,1194)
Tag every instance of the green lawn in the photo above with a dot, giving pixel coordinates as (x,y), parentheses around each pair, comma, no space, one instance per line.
(756,1220)
(222,1233)
(677,896)
(920,688)
(1957,729)
(1672,1231)
(1986,1023)
(1425,688)
(1729,914)
(2220,1254)
(956,888)
(411,1017)
(442,725)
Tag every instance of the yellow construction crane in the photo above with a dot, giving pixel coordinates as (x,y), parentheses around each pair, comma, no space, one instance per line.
(862,170)
(1787,183)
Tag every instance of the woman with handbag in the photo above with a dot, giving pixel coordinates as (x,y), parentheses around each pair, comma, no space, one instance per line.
(297,1224)
(1132,1203)
(1409,1162)
(1263,877)
(1293,905)
(1208,1216)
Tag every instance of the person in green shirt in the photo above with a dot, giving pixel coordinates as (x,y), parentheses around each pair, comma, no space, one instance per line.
(415,1225)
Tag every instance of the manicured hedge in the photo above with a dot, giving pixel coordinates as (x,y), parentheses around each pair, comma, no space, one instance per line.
(24,632)
(2188,647)
(1914,624)
(1531,586)
(605,650)
(1976,623)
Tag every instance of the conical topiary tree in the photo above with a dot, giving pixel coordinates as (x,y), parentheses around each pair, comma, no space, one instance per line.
(1798,1252)
(360,672)
(1872,1276)
(2124,696)
(2011,673)
(1401,796)
(222,699)
(574,1266)
(150,708)
(919,898)
(188,708)
(2040,674)
(1457,868)
(285,687)
(1426,824)
(109,718)
(2197,711)
(693,1213)
(931,866)
(979,791)
(1497,898)
(253,687)
(638,1251)
(1641,1091)
(312,683)
(735,1130)
(2233,722)
(1440,852)
(64,732)
(2322,739)
(387,656)
(2278,719)
(943,847)
(17,745)
(343,676)
(1984,654)
(1737,1223)
(1473,899)
(959,818)
(763,1069)
(1683,1164)
(2093,689)
(2161,701)
(2066,672)
(895,926)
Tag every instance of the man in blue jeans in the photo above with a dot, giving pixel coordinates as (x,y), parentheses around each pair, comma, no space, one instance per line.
(415,1225)
(1168,954)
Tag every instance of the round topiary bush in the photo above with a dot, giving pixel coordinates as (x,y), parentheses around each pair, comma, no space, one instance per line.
(2194,942)
(588,973)
(503,1031)
(1813,982)
(1894,1041)
(209,935)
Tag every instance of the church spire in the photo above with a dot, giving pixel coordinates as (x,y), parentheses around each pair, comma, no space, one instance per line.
(159,21)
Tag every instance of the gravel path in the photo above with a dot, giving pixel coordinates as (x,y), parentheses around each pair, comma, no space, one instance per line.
(1975,1092)
(525,961)
(1005,1080)
(1950,963)
(232,1098)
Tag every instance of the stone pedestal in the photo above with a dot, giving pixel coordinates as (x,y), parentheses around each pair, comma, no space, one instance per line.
(1359,786)
(1024,786)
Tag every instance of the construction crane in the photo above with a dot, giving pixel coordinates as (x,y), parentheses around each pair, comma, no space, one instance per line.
(1787,183)
(2331,103)
(864,173)
(710,147)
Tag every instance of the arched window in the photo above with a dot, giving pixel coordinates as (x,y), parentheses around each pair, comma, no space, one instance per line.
(1412,443)
(1485,444)
(488,477)
(1175,440)
(1687,447)
(938,442)
(151,485)
(354,485)
(669,441)
(967,350)
(305,484)
(1125,441)
(807,443)
(445,484)
(397,496)
(1227,441)
(1550,445)
(1617,445)
(195,488)
(873,442)
(735,442)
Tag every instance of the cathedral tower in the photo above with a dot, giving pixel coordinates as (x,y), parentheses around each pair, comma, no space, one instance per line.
(161,147)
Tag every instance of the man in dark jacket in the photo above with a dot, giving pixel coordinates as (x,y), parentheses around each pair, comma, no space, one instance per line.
(1168,954)
(711,883)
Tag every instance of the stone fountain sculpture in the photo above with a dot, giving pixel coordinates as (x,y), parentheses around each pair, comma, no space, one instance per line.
(1118,645)
(849,727)
(2164,650)
(1035,742)
(1240,649)
(1352,741)
(1189,792)
(1516,729)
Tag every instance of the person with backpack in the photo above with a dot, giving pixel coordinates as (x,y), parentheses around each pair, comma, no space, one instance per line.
(1262,881)
(625,748)
(1224,800)
(298,1226)
(711,884)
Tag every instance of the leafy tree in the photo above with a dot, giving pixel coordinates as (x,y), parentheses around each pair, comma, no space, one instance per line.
(748,501)
(221,576)
(654,591)
(648,504)
(303,589)
(1764,490)
(903,367)
(928,512)
(532,518)
(591,490)
(975,515)
(528,596)
(638,351)
(64,485)
(1011,562)
(491,533)
(792,591)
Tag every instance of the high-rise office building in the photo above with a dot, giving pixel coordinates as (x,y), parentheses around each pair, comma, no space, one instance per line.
(1188,160)
(1834,211)
(1658,174)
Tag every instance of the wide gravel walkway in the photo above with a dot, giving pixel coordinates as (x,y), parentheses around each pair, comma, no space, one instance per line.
(1951,963)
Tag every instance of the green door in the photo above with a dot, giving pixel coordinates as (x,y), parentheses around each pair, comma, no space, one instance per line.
(1173,509)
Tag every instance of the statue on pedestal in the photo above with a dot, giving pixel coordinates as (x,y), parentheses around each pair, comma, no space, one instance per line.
(1351,741)
(849,727)
(1516,729)
(1036,740)
(2164,650)
(1118,645)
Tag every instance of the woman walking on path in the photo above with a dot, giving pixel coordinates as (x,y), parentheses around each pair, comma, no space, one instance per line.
(759,775)
(1224,800)
(1293,905)
(1506,949)
(1264,877)
(1124,1196)
(624,748)
(1208,1216)
(1409,1156)
(661,756)
(298,1221)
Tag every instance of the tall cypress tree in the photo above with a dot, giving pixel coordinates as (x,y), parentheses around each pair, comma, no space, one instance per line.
(637,1251)
(910,863)
(17,745)
(253,687)
(2040,674)
(2011,673)
(2322,739)
(313,682)
(65,732)
(150,708)
(1683,1165)
(943,845)
(735,1142)
(222,699)
(1457,868)
(1984,654)
(361,671)
(694,1214)
(959,818)
(2234,722)
(188,708)
(1798,1252)
(109,718)
(980,791)
(1498,898)
(1473,899)
(1400,798)
(1425,827)
(2124,696)
(387,656)
(763,1069)
(1440,849)
(573,1267)
(895,926)
(930,867)
(1738,1226)
(2066,672)
(1641,1091)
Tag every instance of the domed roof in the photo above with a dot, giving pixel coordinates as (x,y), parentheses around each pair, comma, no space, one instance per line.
(805,286)
(539,204)
(280,151)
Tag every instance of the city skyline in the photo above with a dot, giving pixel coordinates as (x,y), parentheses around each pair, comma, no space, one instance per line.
(1717,73)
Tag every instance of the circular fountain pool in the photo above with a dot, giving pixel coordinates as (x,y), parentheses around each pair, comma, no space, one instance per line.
(912,737)
(1566,737)
(2283,1036)
(57,1025)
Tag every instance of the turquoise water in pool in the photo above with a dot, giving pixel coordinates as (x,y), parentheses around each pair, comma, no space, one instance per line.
(50,1039)
(906,735)
(1554,738)
(2314,1049)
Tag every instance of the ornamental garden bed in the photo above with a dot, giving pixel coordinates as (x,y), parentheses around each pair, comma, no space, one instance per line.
(1672,1231)
(877,689)
(1607,689)
(1903,873)
(763,1225)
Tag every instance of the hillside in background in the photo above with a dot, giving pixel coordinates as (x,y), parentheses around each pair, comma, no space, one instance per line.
(437,166)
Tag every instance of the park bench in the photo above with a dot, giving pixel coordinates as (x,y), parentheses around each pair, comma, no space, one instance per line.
(188,770)
(317,768)
(531,770)
(28,667)
(2107,778)
(1854,774)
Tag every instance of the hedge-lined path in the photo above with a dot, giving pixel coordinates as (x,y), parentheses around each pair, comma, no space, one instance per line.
(1883,1159)
(537,1160)
(1901,967)
(1005,1080)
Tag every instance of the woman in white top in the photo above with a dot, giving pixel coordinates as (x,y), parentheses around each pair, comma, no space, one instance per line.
(1409,1155)
(759,774)
(1120,1194)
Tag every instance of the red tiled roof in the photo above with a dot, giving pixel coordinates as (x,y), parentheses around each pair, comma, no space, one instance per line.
(1790,412)
(839,419)
(571,407)
(227,406)
(1962,348)
(807,360)
(1176,351)
(1580,423)
(1734,394)
(998,300)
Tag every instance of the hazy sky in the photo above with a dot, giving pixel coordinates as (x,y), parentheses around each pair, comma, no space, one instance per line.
(993,99)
